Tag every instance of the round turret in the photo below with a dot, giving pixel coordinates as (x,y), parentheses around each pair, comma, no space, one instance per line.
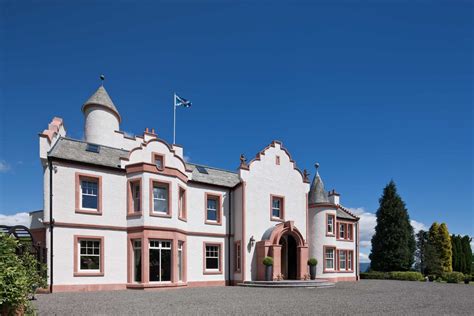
(101,118)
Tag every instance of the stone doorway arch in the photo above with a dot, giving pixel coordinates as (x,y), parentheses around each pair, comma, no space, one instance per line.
(273,242)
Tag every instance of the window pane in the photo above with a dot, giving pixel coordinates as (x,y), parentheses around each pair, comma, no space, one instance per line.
(154,264)
(211,204)
(276,212)
(165,265)
(212,263)
(211,215)
(276,203)
(160,197)
(90,262)
(89,201)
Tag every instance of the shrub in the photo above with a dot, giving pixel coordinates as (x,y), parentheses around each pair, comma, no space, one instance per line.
(453,277)
(431,277)
(373,275)
(19,276)
(312,261)
(268,261)
(406,276)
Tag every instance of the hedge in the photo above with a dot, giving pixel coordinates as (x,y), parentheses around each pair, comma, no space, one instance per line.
(395,275)
(453,277)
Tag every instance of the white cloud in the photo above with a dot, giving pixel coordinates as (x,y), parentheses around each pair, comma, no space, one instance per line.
(367,223)
(22,218)
(4,166)
(364,257)
(417,226)
(186,158)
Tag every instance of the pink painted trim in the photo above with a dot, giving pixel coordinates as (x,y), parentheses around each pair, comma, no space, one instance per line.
(282,210)
(130,208)
(335,257)
(218,197)
(155,155)
(169,185)
(211,243)
(329,234)
(182,209)
(142,167)
(77,272)
(237,256)
(78,178)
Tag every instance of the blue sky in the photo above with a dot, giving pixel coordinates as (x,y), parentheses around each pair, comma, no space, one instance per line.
(373,91)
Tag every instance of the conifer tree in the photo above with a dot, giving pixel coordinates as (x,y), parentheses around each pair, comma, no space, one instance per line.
(432,257)
(421,242)
(467,254)
(457,252)
(445,249)
(393,244)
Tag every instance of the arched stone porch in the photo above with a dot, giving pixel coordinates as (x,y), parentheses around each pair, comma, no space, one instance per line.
(271,245)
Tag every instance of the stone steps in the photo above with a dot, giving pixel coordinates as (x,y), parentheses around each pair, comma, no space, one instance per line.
(289,284)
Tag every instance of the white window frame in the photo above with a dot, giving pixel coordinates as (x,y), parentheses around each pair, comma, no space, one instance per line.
(342,231)
(216,199)
(96,182)
(159,244)
(136,196)
(166,187)
(342,258)
(333,219)
(276,208)
(206,256)
(332,258)
(80,240)
(180,261)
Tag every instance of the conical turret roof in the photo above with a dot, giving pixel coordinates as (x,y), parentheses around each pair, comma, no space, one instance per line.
(102,98)
(317,194)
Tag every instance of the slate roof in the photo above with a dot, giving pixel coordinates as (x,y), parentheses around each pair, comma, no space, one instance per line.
(214,176)
(341,213)
(101,97)
(75,150)
(317,194)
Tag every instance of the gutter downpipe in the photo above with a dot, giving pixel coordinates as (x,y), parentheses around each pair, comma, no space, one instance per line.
(229,236)
(51,224)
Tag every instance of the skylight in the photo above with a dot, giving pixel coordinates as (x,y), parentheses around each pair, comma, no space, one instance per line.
(201,169)
(93,148)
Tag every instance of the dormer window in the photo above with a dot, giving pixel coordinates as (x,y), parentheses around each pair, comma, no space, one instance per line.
(159,161)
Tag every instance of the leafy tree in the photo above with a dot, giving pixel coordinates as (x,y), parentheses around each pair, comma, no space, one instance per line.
(19,275)
(421,242)
(445,249)
(467,254)
(393,244)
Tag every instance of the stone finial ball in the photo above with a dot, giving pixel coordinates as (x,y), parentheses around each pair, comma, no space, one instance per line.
(316,165)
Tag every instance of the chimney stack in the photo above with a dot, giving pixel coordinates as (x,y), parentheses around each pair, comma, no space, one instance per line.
(334,197)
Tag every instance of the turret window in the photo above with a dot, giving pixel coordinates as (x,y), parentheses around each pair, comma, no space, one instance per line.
(330,219)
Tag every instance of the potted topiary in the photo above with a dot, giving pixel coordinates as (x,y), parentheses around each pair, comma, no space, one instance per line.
(312,262)
(467,278)
(268,263)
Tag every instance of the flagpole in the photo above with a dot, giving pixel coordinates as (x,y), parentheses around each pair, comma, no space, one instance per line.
(174,118)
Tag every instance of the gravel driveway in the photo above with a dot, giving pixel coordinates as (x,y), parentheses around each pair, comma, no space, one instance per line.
(373,297)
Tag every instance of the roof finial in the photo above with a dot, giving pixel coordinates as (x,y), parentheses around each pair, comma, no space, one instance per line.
(316,165)
(102,78)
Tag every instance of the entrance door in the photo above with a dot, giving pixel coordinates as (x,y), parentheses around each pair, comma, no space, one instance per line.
(289,257)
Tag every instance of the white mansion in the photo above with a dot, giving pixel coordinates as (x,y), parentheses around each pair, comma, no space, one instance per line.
(129,212)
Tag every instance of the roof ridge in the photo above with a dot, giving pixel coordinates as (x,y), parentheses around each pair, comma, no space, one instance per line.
(84,142)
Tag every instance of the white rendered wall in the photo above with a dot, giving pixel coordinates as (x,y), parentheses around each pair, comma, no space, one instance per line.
(115,256)
(100,125)
(318,239)
(264,178)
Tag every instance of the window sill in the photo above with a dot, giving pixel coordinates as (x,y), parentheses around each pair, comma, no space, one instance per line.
(277,219)
(330,235)
(183,219)
(88,212)
(348,240)
(88,274)
(134,215)
(211,272)
(213,223)
(155,214)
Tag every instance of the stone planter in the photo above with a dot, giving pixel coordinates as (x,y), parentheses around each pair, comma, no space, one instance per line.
(268,273)
(312,272)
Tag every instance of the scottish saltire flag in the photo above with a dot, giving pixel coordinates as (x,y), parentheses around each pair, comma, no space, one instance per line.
(179,101)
